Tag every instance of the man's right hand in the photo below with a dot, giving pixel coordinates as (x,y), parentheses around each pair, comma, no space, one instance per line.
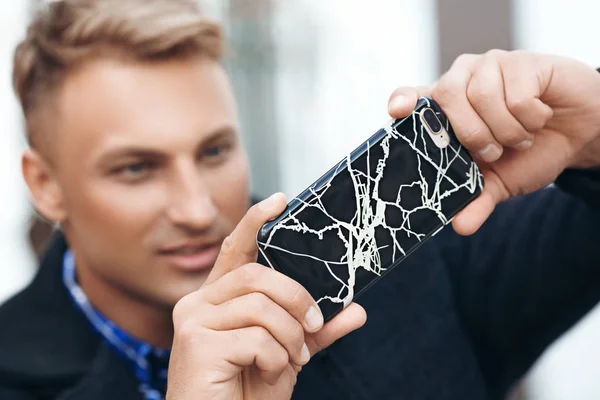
(249,330)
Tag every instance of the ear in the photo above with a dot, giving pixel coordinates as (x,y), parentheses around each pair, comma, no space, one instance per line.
(45,189)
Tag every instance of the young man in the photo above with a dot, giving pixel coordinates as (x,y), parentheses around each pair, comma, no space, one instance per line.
(135,153)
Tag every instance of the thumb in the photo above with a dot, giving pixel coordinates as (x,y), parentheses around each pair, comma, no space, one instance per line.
(240,247)
(473,216)
(404,99)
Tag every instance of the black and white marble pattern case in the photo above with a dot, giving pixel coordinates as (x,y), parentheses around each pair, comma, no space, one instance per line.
(370,211)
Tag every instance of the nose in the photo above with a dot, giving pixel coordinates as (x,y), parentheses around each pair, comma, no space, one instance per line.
(191,204)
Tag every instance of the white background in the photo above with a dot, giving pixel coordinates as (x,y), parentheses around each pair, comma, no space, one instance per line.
(16,260)
(359,62)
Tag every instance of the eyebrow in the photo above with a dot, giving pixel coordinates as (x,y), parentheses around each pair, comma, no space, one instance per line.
(140,151)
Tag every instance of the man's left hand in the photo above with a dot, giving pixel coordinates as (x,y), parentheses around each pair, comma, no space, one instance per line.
(524,116)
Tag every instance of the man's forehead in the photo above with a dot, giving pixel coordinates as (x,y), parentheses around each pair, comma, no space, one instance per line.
(121,104)
(130,85)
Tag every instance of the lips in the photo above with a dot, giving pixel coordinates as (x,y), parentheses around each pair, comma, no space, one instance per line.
(191,257)
(186,250)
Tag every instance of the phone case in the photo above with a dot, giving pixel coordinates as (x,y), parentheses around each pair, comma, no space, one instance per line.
(371,210)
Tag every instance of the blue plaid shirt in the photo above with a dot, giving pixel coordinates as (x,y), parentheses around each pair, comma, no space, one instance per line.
(150,364)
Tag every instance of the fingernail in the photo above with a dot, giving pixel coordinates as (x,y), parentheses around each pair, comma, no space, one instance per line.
(524,145)
(305,354)
(490,153)
(269,203)
(398,102)
(314,319)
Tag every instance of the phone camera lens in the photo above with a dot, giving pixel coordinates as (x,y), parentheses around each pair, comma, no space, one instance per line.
(432,121)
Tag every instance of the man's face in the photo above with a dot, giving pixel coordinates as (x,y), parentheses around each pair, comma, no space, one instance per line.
(152,172)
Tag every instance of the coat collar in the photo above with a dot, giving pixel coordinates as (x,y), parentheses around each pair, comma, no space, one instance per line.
(50,346)
(107,378)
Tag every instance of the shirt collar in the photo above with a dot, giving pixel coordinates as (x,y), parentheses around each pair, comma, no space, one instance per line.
(150,363)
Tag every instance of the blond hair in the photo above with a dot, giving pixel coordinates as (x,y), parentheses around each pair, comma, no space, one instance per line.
(65,33)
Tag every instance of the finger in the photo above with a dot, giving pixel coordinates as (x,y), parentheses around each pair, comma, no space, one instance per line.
(403,101)
(486,95)
(348,320)
(284,291)
(472,217)
(240,248)
(523,90)
(255,346)
(451,94)
(256,309)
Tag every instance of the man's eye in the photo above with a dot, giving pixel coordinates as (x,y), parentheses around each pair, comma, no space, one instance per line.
(215,155)
(215,151)
(135,170)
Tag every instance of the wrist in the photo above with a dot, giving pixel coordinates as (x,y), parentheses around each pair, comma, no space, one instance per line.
(589,157)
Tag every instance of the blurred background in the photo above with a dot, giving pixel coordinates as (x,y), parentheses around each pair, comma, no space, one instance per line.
(313,78)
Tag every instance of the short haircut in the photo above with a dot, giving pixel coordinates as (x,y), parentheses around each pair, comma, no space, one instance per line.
(66,33)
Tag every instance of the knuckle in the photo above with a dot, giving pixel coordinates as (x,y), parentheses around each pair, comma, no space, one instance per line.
(517,105)
(536,124)
(233,244)
(473,136)
(297,293)
(512,136)
(187,331)
(255,212)
(496,53)
(465,59)
(281,359)
(229,303)
(260,302)
(178,312)
(445,90)
(251,273)
(181,309)
(297,334)
(190,313)
(236,336)
(227,244)
(262,337)
(479,94)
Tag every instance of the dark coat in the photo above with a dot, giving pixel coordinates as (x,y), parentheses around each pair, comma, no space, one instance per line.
(462,318)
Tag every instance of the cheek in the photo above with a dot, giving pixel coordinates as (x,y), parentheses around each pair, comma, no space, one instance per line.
(119,210)
(230,189)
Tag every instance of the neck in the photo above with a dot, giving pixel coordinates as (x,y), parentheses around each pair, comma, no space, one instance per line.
(137,316)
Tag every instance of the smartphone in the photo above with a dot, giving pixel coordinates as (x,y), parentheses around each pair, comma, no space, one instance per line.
(374,208)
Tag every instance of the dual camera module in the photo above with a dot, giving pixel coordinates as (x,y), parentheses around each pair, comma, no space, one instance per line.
(434,128)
